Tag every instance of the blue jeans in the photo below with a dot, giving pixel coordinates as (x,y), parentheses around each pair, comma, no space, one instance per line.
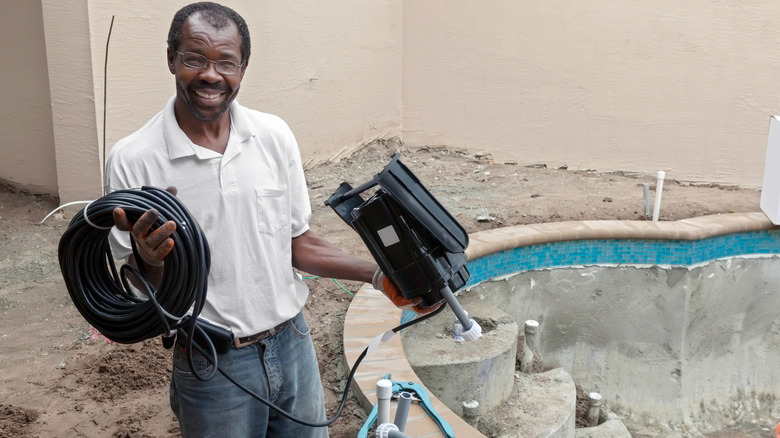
(282,369)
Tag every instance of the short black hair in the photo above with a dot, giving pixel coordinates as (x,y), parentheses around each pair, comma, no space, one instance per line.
(216,15)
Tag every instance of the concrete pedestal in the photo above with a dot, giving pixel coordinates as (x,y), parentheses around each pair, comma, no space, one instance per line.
(458,371)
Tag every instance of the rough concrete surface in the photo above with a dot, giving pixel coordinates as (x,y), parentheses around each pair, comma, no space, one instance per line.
(689,350)
(609,429)
(541,405)
(458,371)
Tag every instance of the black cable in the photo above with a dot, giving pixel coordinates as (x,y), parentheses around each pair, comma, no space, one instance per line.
(106,300)
(350,378)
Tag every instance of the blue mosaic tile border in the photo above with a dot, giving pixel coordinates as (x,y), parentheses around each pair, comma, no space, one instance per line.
(618,251)
(622,251)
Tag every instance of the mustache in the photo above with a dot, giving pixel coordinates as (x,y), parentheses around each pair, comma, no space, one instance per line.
(205,86)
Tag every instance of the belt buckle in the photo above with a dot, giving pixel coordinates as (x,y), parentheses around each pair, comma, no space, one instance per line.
(240,344)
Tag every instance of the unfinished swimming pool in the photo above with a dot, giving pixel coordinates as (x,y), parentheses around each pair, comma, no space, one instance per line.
(673,323)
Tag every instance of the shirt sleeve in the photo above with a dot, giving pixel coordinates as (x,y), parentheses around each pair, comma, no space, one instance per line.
(300,211)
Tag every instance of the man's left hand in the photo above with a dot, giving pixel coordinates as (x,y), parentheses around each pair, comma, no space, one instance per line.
(391,291)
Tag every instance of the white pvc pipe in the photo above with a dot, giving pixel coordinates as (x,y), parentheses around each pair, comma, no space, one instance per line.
(384,392)
(529,346)
(594,408)
(659,187)
(471,412)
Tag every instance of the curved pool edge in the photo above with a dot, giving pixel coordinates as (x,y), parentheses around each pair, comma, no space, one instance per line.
(370,314)
(487,242)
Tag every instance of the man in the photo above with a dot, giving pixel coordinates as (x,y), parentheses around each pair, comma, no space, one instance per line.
(239,173)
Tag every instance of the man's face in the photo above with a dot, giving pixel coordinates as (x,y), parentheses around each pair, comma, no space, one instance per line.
(206,92)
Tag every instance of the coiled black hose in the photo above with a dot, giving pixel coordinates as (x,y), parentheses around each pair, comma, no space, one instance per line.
(104,297)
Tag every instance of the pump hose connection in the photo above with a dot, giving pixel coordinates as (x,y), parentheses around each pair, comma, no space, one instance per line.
(105,298)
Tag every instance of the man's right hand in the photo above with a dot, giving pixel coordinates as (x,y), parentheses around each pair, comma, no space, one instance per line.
(152,247)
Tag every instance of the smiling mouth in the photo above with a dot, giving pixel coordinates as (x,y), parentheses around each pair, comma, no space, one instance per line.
(208,96)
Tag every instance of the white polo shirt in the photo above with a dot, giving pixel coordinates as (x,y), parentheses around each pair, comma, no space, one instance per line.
(250,202)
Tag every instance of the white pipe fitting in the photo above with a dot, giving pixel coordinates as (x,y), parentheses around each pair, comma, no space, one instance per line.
(383,430)
(384,392)
(659,187)
(469,335)
(389,430)
(472,334)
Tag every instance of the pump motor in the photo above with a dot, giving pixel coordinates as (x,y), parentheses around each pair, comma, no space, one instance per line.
(413,239)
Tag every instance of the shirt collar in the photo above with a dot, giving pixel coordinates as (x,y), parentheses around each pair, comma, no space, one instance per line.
(179,145)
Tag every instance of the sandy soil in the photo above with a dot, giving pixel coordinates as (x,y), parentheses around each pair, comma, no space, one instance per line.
(60,378)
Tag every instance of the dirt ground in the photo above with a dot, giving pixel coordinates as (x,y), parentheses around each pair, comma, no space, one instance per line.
(60,378)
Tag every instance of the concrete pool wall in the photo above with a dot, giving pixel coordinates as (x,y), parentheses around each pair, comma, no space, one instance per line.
(673,322)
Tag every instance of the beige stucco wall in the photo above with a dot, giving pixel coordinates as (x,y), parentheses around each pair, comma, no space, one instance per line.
(27,140)
(66,29)
(332,70)
(685,87)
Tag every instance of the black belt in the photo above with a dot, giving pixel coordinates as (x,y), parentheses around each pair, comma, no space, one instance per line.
(251,339)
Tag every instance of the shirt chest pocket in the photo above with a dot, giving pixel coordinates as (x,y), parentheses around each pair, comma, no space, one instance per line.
(273,211)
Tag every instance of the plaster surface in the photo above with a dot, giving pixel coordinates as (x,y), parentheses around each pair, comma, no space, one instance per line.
(689,348)
(635,86)
(684,87)
(458,371)
(27,144)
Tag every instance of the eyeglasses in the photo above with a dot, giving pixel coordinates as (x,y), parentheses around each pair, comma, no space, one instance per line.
(200,62)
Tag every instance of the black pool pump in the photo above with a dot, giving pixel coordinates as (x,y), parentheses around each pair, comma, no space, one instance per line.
(413,239)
